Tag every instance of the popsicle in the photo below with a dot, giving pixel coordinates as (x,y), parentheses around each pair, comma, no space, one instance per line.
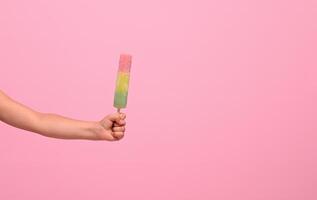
(122,83)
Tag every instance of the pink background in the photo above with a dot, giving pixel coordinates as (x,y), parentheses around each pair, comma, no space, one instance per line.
(222,101)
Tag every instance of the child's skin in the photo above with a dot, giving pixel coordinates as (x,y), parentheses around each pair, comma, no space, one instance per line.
(110,128)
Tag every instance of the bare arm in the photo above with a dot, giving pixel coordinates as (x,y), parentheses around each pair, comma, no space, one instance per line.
(110,128)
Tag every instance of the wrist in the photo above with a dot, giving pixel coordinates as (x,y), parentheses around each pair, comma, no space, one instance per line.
(94,131)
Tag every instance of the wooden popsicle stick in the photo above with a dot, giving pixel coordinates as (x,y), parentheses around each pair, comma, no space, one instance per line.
(116,124)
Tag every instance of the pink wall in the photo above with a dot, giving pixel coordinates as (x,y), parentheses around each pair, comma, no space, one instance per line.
(222,98)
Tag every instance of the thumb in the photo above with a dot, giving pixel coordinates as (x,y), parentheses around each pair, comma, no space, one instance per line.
(114,117)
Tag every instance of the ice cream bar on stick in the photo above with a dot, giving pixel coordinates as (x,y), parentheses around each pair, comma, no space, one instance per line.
(122,83)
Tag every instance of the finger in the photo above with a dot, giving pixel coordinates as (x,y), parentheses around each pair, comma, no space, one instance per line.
(118,129)
(118,135)
(114,117)
(120,123)
(116,125)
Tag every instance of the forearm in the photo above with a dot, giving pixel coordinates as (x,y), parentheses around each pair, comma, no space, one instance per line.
(50,125)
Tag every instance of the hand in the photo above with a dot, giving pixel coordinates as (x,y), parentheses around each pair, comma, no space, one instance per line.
(112,127)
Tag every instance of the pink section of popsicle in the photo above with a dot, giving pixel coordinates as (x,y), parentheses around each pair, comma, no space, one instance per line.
(125,63)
